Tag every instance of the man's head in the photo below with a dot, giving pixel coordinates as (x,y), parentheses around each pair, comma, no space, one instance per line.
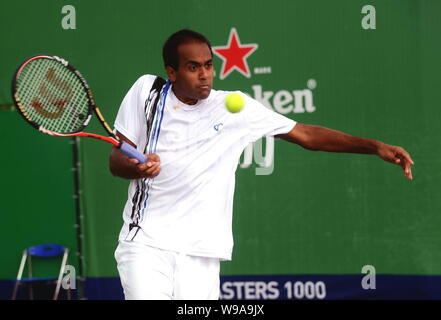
(188,60)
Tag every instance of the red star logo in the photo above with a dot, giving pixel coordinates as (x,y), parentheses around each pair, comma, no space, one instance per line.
(234,55)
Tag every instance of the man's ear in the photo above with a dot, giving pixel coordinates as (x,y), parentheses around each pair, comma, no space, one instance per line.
(171,73)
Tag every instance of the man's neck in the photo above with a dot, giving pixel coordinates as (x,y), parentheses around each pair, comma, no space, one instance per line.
(183,98)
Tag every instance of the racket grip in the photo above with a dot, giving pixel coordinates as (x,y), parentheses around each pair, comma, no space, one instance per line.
(131,152)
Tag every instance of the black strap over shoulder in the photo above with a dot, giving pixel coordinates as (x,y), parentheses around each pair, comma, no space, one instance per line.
(158,84)
(151,104)
(150,110)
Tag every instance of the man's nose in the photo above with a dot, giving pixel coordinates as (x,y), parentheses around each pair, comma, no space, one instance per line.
(203,74)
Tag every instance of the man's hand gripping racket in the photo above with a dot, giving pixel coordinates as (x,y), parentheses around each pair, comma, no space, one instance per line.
(55,99)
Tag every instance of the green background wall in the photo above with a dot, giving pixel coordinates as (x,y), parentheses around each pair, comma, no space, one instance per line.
(317,213)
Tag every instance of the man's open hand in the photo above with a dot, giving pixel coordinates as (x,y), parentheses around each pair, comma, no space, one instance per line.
(397,155)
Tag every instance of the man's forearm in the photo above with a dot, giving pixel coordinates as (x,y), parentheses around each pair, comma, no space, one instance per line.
(325,139)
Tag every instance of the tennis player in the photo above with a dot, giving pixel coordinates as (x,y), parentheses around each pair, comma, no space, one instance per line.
(178,215)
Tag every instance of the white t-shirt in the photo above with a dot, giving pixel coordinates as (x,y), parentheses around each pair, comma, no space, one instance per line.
(188,207)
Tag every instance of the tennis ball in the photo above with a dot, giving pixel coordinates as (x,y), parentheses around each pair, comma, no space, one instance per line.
(234,102)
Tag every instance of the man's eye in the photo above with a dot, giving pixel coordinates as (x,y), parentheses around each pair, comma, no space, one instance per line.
(192,67)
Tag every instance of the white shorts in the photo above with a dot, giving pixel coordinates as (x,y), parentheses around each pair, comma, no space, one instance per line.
(149,273)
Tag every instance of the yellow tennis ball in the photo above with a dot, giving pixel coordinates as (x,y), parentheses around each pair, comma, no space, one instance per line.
(234,102)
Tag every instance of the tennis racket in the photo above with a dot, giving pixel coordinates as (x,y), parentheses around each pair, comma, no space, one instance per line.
(54,98)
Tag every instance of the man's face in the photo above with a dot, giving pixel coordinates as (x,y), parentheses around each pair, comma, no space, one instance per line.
(194,78)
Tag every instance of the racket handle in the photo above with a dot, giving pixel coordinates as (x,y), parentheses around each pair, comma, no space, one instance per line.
(131,152)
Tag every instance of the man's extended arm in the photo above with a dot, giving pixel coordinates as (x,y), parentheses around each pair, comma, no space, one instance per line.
(318,138)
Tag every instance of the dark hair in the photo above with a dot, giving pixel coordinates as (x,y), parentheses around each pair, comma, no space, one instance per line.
(170,49)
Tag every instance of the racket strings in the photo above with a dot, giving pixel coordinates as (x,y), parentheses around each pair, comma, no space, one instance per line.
(52,96)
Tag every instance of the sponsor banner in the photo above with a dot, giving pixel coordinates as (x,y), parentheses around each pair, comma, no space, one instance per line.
(330,287)
(287,287)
